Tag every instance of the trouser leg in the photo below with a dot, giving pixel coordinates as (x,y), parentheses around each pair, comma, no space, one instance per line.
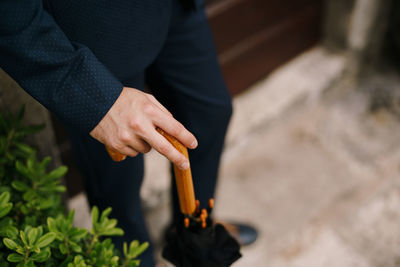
(116,185)
(186,78)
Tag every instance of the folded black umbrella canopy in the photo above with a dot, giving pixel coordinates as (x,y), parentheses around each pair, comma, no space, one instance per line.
(197,241)
(201,247)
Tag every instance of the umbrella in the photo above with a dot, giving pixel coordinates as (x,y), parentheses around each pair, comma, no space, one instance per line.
(196,241)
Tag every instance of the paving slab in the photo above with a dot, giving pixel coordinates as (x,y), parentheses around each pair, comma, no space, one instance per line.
(313,182)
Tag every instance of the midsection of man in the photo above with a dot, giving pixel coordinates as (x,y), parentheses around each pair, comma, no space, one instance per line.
(125,35)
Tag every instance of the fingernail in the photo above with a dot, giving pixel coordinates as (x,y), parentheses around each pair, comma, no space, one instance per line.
(184,165)
(194,144)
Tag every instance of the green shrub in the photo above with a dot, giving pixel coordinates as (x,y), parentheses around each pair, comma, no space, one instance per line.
(33,226)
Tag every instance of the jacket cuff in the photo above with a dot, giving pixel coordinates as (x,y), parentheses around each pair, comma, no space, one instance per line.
(87,93)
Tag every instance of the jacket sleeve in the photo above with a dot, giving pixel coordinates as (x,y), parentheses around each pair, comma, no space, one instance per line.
(65,77)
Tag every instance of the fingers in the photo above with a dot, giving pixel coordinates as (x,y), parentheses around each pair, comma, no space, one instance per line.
(126,150)
(129,127)
(177,130)
(172,126)
(164,147)
(131,141)
(140,146)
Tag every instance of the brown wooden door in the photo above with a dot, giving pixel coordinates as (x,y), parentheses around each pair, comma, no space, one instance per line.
(253,37)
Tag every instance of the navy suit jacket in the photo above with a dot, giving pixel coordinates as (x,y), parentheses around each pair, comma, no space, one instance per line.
(74,55)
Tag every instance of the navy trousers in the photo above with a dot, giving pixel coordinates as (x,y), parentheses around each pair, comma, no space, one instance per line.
(185,77)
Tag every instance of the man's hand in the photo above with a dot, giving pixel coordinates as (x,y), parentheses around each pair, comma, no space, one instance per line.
(129,127)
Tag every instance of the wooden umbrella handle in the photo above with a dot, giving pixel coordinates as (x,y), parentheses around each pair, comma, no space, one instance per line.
(183,178)
(115,156)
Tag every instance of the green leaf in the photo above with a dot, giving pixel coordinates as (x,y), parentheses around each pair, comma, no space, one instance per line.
(36,249)
(30,163)
(78,233)
(5,221)
(20,186)
(43,164)
(95,215)
(78,262)
(125,248)
(134,263)
(24,148)
(70,217)
(46,239)
(24,209)
(105,214)
(27,229)
(62,224)
(51,223)
(43,256)
(32,235)
(113,232)
(114,260)
(5,209)
(4,197)
(14,257)
(29,263)
(40,231)
(108,224)
(60,189)
(21,168)
(10,243)
(57,173)
(23,236)
(75,247)
(20,250)
(29,195)
(134,244)
(9,156)
(140,249)
(45,203)
(63,248)
(9,231)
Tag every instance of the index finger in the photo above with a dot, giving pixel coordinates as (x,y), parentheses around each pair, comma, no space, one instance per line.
(176,129)
(164,147)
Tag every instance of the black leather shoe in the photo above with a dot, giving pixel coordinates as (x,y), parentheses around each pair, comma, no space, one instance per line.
(243,233)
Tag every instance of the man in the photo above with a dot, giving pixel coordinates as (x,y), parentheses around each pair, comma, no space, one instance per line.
(88,61)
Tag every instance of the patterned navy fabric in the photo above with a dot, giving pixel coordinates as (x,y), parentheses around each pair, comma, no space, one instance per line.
(63,76)
(49,49)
